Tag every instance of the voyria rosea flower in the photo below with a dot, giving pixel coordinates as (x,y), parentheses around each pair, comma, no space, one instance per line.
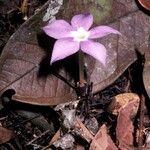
(78,36)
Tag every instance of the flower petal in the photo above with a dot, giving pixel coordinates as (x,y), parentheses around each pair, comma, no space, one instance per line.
(95,49)
(101,31)
(63,48)
(58,29)
(82,20)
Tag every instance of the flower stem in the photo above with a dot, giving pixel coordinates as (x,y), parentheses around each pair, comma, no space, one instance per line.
(81,68)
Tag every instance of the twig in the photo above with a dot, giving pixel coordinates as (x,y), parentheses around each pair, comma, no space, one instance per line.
(46,147)
(36,138)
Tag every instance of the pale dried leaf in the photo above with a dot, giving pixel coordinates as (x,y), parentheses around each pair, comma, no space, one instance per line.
(84,131)
(102,141)
(55,137)
(122,100)
(125,128)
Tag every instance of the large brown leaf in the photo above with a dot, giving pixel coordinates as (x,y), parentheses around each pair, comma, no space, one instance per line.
(25,53)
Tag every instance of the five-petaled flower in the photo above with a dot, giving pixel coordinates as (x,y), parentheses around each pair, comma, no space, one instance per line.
(78,36)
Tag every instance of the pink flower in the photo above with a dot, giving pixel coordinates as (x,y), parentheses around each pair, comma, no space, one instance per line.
(78,36)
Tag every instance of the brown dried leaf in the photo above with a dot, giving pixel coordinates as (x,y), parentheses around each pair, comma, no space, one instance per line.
(125,128)
(5,135)
(55,137)
(146,70)
(22,56)
(120,101)
(85,133)
(80,147)
(102,141)
(145,3)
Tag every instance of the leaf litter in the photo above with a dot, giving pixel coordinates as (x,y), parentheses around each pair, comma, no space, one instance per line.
(115,111)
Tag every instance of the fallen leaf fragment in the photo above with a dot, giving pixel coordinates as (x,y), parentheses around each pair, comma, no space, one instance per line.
(120,101)
(102,141)
(5,135)
(55,137)
(125,128)
(37,119)
(92,124)
(147,141)
(69,105)
(145,3)
(146,69)
(83,131)
(80,147)
(65,142)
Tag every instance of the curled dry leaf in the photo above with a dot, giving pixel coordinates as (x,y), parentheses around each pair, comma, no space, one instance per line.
(125,128)
(120,101)
(24,54)
(102,141)
(5,135)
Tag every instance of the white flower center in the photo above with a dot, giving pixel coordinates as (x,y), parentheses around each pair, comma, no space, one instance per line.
(80,35)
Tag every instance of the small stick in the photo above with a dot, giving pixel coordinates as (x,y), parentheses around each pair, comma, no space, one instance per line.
(38,137)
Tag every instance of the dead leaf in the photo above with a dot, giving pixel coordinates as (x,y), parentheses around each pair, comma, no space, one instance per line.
(5,135)
(84,132)
(120,101)
(24,53)
(146,70)
(145,3)
(65,142)
(55,137)
(102,141)
(37,119)
(147,139)
(125,128)
(80,147)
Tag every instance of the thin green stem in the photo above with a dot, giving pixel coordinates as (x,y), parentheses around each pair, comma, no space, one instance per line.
(81,68)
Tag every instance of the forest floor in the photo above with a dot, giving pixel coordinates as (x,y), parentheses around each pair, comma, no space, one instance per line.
(116,117)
